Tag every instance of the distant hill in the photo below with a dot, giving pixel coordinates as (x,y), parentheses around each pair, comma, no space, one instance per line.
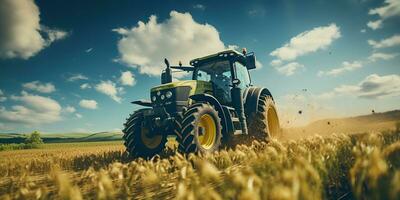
(350,125)
(63,137)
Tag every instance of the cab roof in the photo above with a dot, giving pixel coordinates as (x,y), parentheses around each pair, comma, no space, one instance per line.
(226,53)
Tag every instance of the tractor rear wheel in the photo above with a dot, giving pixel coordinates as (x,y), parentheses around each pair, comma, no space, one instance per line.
(264,124)
(201,129)
(139,142)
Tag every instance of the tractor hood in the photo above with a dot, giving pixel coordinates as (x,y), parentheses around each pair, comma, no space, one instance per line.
(195,86)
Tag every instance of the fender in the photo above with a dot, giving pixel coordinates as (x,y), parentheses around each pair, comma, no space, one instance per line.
(251,96)
(223,114)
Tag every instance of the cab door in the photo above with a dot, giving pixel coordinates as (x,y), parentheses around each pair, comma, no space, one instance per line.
(243,75)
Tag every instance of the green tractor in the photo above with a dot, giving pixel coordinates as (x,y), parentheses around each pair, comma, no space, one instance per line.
(204,113)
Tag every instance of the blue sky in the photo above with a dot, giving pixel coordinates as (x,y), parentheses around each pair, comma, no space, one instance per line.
(73,66)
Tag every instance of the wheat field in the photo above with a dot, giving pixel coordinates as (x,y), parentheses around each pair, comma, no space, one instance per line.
(363,166)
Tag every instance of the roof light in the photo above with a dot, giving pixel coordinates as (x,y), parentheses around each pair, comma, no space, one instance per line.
(244,51)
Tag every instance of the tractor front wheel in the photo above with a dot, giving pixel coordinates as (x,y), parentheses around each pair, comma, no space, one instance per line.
(201,129)
(139,142)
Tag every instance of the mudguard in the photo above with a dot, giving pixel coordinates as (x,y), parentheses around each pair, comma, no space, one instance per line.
(251,96)
(223,114)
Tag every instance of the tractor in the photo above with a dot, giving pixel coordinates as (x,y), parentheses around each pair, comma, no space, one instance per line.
(205,113)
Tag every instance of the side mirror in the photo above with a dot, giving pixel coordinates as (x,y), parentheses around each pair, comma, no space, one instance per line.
(250,61)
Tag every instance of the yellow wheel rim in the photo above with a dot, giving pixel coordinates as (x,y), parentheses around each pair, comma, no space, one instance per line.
(208,134)
(273,122)
(150,142)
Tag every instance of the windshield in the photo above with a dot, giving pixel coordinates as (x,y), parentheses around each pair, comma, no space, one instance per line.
(208,71)
(218,73)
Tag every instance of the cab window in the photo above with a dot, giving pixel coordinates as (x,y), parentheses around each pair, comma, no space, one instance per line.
(203,76)
(242,75)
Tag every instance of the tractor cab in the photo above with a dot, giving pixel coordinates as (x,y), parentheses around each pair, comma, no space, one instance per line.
(223,70)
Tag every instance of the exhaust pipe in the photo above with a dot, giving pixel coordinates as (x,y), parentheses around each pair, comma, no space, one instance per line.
(166,75)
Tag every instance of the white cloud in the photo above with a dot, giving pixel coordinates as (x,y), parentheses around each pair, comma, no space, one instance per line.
(39,87)
(256,12)
(372,87)
(363,31)
(326,95)
(70,109)
(234,47)
(199,7)
(85,86)
(259,65)
(308,42)
(21,34)
(89,50)
(33,109)
(109,88)
(289,69)
(381,56)
(385,43)
(2,97)
(127,78)
(390,9)
(53,34)
(78,115)
(77,77)
(276,63)
(375,24)
(345,67)
(179,38)
(88,104)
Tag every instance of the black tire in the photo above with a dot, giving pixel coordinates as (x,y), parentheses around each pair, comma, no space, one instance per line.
(189,138)
(136,141)
(264,124)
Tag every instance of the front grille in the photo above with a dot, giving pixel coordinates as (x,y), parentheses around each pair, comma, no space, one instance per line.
(175,103)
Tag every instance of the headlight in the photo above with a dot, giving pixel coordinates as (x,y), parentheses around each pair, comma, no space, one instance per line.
(158,93)
(153,98)
(162,97)
(168,94)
